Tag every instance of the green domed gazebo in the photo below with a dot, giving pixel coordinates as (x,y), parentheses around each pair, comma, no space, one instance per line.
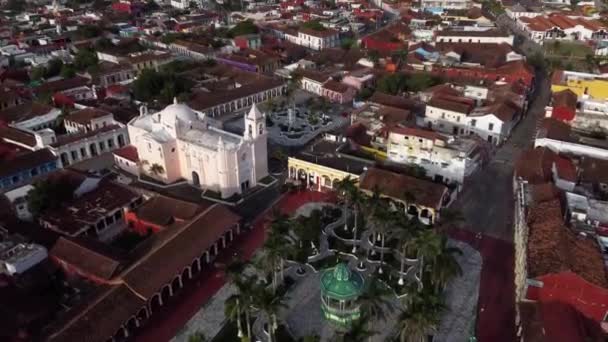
(340,289)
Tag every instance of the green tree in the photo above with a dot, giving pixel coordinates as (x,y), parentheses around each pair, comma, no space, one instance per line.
(373,56)
(157,169)
(421,316)
(197,337)
(48,194)
(53,68)
(445,267)
(37,73)
(270,304)
(392,84)
(428,245)
(67,71)
(85,58)
(418,82)
(244,27)
(239,305)
(314,25)
(377,300)
(90,31)
(359,331)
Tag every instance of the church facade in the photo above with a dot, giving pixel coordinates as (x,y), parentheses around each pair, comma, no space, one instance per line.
(178,143)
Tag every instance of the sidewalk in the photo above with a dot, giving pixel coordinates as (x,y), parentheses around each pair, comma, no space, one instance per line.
(167,323)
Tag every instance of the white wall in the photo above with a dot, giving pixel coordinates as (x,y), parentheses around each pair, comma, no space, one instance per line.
(573,148)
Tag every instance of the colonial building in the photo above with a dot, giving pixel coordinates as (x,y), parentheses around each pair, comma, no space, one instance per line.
(31,115)
(139,288)
(458,116)
(446,4)
(562,27)
(474,37)
(445,158)
(178,143)
(417,197)
(315,39)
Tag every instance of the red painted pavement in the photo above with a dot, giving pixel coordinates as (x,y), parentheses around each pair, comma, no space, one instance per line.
(166,323)
(496,304)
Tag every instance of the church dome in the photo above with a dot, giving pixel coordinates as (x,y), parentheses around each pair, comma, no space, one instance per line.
(178,112)
(341,283)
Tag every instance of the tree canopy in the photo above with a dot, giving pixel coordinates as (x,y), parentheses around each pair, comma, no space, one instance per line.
(244,27)
(48,195)
(163,86)
(85,58)
(314,25)
(399,82)
(52,69)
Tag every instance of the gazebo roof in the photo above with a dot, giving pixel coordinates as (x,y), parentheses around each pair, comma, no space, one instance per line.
(341,283)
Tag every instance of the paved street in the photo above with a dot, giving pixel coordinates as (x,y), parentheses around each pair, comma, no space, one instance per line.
(487,201)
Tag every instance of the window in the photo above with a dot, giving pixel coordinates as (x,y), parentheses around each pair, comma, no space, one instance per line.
(473,123)
(490,126)
(443,115)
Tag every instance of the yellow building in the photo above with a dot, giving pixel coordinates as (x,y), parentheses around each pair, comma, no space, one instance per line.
(318,176)
(580,84)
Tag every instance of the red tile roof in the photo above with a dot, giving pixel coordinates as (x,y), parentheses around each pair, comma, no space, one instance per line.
(85,115)
(163,211)
(556,322)
(565,169)
(395,185)
(534,165)
(85,258)
(177,248)
(11,134)
(128,152)
(554,248)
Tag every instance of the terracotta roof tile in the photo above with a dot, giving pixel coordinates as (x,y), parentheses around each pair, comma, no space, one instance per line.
(534,165)
(395,185)
(85,258)
(178,247)
(163,210)
(128,152)
(553,248)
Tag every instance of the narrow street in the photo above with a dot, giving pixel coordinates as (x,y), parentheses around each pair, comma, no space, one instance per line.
(487,201)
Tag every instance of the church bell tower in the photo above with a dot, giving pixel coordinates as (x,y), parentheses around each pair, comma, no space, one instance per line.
(255,132)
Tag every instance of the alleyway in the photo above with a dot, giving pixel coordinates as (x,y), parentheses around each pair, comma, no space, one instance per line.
(165,324)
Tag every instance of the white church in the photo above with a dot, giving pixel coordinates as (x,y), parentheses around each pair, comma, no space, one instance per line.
(179,143)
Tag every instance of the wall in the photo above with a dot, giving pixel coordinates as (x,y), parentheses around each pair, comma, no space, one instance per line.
(474,39)
(574,148)
(597,89)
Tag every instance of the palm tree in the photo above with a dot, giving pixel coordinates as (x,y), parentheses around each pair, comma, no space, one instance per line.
(241,303)
(270,304)
(357,199)
(275,249)
(359,331)
(376,301)
(157,169)
(451,217)
(420,318)
(381,218)
(405,234)
(445,267)
(345,188)
(428,245)
(235,269)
